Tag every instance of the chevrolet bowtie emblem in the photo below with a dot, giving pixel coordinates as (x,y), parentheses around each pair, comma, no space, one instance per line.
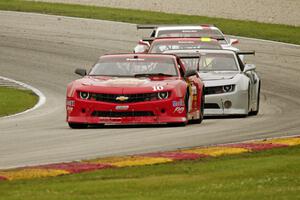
(122,98)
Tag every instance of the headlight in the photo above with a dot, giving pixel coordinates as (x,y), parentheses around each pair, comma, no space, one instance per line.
(219,89)
(162,95)
(84,95)
(228,88)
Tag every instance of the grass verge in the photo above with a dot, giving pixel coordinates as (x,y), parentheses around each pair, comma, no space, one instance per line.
(283,33)
(272,174)
(14,101)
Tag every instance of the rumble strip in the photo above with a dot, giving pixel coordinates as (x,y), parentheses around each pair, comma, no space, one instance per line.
(196,153)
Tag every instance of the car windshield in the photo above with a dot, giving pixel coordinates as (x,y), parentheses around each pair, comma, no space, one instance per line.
(206,32)
(203,33)
(134,66)
(212,62)
(166,45)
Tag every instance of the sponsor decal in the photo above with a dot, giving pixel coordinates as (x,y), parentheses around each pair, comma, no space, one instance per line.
(205,39)
(135,59)
(189,31)
(122,107)
(179,103)
(179,110)
(194,90)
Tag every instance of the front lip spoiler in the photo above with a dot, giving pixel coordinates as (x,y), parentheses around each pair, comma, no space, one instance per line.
(127,120)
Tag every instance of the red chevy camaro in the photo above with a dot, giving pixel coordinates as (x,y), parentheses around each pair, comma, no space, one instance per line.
(135,89)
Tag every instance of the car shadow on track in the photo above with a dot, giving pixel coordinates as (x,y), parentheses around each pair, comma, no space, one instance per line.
(101,126)
(225,117)
(132,126)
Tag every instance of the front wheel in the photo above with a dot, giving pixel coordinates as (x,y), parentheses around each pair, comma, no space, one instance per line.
(77,125)
(253,113)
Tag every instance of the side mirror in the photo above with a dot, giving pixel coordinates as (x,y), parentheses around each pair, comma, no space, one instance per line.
(249,67)
(189,73)
(142,47)
(233,41)
(81,72)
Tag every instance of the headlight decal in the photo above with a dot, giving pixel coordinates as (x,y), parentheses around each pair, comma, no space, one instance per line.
(84,95)
(228,88)
(219,89)
(163,95)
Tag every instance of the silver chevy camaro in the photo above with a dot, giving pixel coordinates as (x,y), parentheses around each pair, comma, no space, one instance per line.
(231,87)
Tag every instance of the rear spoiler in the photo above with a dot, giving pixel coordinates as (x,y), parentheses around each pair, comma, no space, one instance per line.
(245,52)
(146,26)
(189,56)
(153,26)
(150,39)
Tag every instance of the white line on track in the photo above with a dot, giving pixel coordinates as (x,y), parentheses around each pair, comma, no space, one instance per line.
(262,40)
(42,98)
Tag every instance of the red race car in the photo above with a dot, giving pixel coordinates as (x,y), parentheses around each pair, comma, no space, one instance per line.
(135,89)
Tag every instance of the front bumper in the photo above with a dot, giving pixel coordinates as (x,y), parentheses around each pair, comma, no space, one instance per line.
(151,112)
(215,103)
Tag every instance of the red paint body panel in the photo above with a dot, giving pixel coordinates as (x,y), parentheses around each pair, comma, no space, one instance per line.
(154,111)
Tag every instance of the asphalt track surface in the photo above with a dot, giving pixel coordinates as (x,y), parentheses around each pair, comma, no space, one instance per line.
(44,51)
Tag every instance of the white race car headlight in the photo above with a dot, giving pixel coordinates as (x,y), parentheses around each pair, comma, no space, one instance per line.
(84,95)
(219,89)
(163,95)
(228,88)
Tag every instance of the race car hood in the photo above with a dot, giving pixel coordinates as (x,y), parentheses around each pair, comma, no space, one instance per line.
(126,85)
(213,76)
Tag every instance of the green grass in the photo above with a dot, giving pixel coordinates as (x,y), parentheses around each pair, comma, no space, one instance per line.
(272,174)
(14,101)
(283,33)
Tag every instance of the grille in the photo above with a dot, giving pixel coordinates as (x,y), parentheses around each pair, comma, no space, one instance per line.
(122,114)
(211,106)
(132,98)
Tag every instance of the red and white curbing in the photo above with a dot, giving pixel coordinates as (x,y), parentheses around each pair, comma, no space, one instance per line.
(58,169)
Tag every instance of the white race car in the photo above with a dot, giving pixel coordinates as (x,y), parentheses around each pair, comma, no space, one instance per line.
(231,88)
(172,31)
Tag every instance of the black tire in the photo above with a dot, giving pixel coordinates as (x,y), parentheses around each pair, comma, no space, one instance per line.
(254,113)
(201,114)
(249,100)
(77,125)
